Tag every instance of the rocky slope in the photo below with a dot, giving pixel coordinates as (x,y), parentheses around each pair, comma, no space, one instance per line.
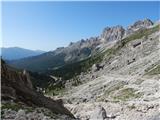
(123,84)
(17,88)
(122,97)
(114,55)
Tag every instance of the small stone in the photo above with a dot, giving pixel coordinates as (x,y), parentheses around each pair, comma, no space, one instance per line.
(111,116)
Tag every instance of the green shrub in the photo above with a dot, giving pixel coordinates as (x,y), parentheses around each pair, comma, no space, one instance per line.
(12,106)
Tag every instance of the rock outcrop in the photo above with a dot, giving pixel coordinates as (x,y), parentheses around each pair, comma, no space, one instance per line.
(17,86)
(99,114)
(140,24)
(112,33)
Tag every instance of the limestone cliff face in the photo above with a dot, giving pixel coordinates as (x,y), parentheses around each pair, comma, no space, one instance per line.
(118,32)
(17,86)
(112,33)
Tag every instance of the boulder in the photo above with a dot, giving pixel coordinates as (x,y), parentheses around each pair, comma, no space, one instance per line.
(21,115)
(97,67)
(98,114)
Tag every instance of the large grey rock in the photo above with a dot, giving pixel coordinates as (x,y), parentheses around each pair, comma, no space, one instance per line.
(97,67)
(21,115)
(98,114)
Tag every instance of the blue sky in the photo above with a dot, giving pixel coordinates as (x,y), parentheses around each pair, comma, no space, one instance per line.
(48,25)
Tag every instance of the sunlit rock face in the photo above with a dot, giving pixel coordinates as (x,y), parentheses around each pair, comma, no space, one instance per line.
(112,33)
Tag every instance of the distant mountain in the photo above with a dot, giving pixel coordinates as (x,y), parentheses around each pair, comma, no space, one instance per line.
(14,53)
(59,57)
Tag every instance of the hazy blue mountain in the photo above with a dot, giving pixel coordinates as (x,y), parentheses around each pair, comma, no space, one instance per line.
(54,59)
(13,53)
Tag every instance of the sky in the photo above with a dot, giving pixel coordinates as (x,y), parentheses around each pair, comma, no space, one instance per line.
(48,25)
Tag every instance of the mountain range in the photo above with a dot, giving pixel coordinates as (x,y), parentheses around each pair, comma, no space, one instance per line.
(14,53)
(80,50)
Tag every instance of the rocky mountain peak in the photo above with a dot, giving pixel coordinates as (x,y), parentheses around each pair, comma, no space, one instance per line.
(60,48)
(147,22)
(71,43)
(112,33)
(141,23)
(138,25)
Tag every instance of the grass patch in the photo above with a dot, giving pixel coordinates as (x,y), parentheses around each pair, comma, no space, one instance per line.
(138,81)
(112,88)
(140,33)
(16,107)
(131,107)
(29,109)
(76,81)
(55,91)
(12,106)
(153,71)
(126,94)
